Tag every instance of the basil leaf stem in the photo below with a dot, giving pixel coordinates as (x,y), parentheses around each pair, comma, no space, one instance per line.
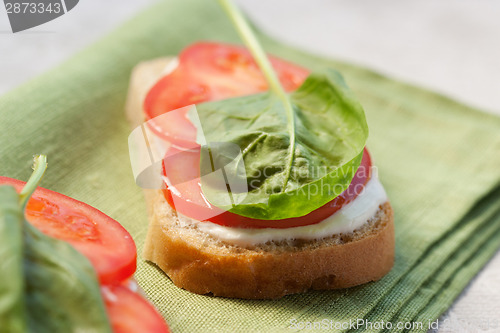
(12,303)
(299,151)
(39,167)
(248,37)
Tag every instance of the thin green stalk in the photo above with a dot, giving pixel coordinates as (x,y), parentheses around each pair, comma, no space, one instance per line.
(39,167)
(248,37)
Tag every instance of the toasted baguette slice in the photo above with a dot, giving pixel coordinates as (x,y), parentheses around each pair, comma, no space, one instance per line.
(198,262)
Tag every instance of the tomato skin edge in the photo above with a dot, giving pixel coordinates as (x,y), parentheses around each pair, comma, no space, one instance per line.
(122,304)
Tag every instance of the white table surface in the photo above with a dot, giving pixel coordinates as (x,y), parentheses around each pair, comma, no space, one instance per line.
(450,46)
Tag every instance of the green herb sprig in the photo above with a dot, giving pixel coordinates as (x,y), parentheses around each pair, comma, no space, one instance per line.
(264,64)
(300,150)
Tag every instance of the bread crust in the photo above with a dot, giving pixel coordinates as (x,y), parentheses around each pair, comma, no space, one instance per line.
(197,262)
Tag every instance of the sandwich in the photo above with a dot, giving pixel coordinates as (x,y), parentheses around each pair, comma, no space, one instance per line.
(264,186)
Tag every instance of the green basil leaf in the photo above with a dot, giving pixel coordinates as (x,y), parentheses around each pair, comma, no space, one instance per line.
(291,167)
(12,308)
(62,290)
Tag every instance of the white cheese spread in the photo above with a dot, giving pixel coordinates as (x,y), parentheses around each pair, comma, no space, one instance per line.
(349,218)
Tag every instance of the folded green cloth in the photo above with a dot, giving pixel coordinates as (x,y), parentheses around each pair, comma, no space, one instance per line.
(438,160)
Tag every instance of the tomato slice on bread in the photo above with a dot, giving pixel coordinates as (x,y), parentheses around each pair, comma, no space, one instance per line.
(129,312)
(185,196)
(107,245)
(208,72)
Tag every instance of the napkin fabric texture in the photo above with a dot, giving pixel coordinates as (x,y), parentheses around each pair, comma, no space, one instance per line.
(438,160)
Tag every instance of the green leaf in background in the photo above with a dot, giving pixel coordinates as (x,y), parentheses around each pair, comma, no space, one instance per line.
(12,308)
(62,290)
(330,134)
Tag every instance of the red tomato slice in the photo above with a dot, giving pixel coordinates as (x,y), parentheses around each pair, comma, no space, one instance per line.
(208,72)
(129,312)
(107,245)
(185,196)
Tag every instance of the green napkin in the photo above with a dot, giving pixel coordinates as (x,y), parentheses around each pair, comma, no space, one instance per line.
(439,162)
